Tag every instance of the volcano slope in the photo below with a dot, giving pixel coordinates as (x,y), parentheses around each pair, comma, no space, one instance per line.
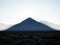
(30,38)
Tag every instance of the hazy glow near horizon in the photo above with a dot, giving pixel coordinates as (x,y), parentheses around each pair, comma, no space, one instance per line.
(15,11)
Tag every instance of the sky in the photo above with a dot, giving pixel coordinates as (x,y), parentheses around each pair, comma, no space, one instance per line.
(15,11)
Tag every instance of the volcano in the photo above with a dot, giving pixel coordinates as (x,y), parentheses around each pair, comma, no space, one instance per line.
(30,25)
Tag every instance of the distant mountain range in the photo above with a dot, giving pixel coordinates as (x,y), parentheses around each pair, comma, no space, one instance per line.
(30,25)
(3,26)
(52,25)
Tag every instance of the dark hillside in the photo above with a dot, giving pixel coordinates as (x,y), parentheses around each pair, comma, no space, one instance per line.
(30,38)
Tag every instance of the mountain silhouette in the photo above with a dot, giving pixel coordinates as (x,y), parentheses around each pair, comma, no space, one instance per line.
(30,25)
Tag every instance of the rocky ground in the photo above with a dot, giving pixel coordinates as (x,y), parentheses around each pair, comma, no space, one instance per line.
(30,38)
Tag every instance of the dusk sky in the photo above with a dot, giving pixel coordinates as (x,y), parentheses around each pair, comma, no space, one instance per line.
(15,11)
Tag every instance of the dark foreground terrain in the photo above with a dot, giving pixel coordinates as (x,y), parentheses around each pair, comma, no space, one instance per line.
(30,38)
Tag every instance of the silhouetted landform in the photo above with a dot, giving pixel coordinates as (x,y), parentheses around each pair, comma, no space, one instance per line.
(30,38)
(30,25)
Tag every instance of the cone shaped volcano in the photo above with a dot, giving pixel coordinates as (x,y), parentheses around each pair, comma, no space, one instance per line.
(30,25)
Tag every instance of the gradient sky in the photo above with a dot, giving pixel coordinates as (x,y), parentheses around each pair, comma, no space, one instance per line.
(15,11)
